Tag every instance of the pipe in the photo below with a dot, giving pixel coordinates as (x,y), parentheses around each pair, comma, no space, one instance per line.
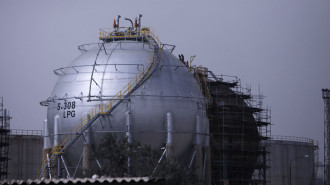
(117,22)
(56,142)
(139,23)
(198,154)
(47,147)
(127,19)
(47,144)
(169,121)
(169,140)
(128,127)
(87,152)
(129,137)
(56,130)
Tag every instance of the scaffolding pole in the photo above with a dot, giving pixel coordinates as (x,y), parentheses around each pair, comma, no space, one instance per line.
(4,140)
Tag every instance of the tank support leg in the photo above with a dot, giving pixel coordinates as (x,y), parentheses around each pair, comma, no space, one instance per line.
(98,163)
(192,159)
(75,171)
(49,167)
(59,167)
(159,161)
(66,168)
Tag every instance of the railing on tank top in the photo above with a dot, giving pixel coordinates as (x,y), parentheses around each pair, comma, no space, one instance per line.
(105,108)
(292,138)
(26,132)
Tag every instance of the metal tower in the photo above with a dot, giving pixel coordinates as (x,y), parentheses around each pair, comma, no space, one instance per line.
(326,98)
(4,140)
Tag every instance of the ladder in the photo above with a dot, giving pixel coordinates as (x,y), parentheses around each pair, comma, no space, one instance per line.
(105,109)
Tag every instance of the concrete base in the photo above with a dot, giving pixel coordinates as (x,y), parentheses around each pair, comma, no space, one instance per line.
(170,155)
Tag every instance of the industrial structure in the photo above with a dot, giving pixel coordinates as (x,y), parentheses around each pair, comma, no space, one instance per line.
(291,160)
(130,85)
(4,140)
(25,153)
(326,98)
(20,150)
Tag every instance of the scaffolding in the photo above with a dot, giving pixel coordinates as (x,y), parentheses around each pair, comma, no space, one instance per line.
(326,98)
(239,129)
(4,140)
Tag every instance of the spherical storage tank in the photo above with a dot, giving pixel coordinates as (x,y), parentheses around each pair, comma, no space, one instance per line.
(130,85)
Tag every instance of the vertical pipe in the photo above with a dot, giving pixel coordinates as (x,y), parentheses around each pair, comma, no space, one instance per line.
(128,127)
(129,138)
(117,19)
(56,143)
(169,140)
(139,23)
(169,122)
(198,165)
(47,144)
(87,153)
(56,130)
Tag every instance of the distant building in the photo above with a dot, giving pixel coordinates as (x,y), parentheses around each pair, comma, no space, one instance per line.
(25,154)
(291,159)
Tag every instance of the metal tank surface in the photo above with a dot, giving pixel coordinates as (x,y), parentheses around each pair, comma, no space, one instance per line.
(290,156)
(166,106)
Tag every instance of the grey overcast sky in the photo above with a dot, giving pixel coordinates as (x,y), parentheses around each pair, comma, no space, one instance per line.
(281,45)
